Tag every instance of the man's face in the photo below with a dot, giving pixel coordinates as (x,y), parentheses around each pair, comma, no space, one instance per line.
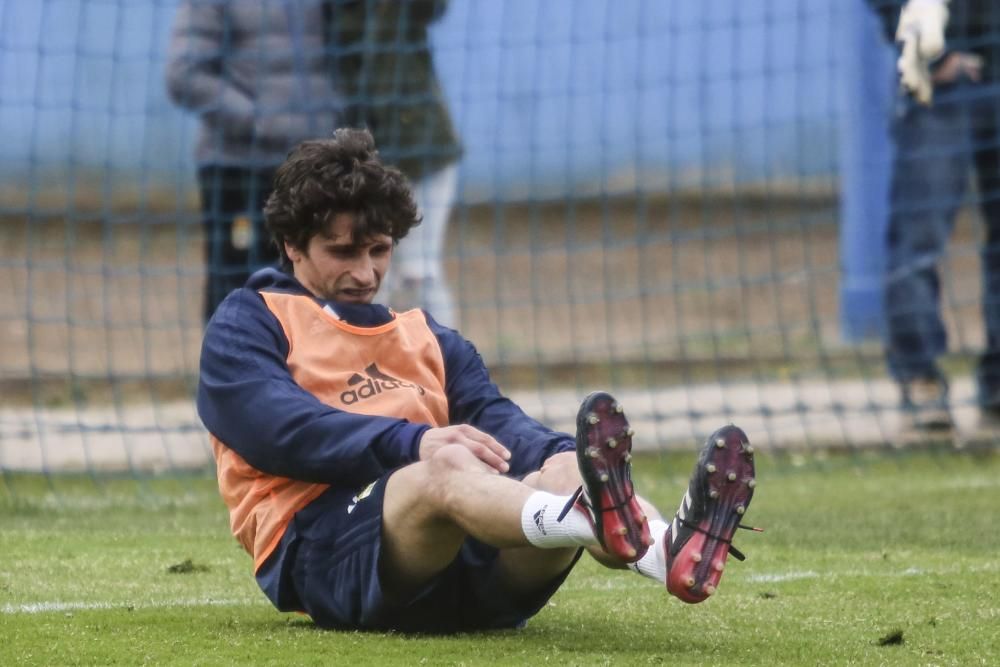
(336,267)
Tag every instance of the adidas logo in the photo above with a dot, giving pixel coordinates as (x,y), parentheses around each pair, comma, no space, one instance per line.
(539,518)
(372,383)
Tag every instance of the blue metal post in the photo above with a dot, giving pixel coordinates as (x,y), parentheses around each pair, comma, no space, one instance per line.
(866,164)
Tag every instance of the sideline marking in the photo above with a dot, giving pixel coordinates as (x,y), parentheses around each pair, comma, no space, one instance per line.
(907,572)
(784,576)
(48,607)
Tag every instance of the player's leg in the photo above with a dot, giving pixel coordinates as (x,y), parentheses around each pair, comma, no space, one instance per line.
(606,498)
(528,570)
(600,474)
(430,508)
(604,453)
(691,550)
(699,537)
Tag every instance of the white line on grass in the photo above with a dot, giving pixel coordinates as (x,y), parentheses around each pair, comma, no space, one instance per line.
(908,572)
(783,576)
(777,577)
(47,607)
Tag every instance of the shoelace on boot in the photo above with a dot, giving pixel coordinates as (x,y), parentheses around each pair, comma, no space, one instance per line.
(736,553)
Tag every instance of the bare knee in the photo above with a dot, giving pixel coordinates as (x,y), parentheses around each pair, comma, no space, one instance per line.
(440,479)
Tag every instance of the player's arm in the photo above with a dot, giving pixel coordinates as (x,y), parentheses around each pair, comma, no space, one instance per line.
(195,75)
(475,400)
(249,401)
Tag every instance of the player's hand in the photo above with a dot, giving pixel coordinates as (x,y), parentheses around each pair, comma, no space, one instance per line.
(921,32)
(482,445)
(958,64)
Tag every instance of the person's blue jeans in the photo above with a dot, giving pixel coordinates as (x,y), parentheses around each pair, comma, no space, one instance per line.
(935,148)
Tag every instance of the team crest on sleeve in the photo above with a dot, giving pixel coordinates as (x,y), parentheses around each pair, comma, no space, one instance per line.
(372,382)
(367,491)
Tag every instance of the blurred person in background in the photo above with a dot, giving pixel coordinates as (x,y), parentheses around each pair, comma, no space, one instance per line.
(946,122)
(258,76)
(385,68)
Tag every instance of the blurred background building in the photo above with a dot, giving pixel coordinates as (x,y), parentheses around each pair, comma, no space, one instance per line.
(684,202)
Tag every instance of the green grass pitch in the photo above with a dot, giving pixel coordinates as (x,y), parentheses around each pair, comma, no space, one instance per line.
(890,560)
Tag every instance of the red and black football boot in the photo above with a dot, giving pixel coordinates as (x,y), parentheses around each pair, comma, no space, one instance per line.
(700,536)
(603,452)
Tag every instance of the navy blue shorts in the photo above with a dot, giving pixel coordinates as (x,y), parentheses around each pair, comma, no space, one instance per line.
(327,566)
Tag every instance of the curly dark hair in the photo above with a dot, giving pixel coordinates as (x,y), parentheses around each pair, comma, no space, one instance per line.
(323,178)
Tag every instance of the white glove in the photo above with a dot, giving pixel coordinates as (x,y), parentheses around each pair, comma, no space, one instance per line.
(921,31)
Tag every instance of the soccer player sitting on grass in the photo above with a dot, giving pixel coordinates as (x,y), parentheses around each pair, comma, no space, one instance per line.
(374,472)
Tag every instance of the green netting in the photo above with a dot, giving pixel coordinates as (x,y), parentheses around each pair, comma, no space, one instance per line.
(655,198)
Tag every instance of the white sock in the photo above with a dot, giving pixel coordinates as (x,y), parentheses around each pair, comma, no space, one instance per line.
(653,563)
(539,521)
